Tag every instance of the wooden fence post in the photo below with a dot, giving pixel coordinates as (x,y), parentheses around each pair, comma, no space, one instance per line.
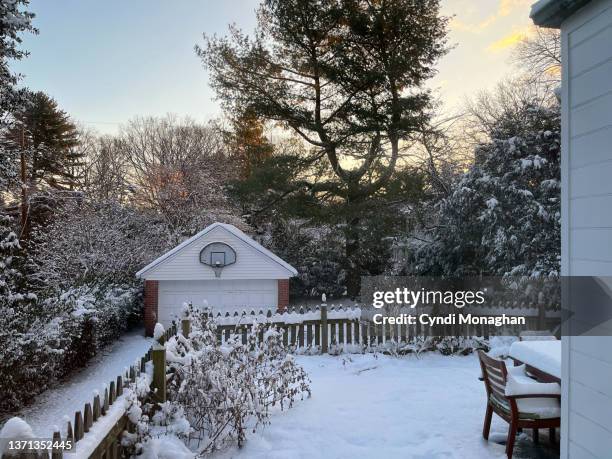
(186,327)
(112,395)
(158,356)
(78,426)
(70,434)
(105,403)
(96,407)
(541,315)
(324,349)
(87,417)
(57,453)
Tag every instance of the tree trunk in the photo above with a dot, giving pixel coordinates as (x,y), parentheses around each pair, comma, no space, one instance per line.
(352,265)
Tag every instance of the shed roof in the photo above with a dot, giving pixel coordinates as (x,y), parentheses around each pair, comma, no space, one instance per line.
(229,228)
(551,13)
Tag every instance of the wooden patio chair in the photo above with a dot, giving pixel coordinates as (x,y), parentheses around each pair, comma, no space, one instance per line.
(495,376)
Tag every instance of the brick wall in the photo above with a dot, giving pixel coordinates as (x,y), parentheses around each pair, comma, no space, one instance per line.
(150,306)
(283,294)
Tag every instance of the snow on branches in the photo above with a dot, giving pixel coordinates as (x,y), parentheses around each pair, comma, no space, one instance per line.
(14,20)
(503,216)
(230,388)
(101,243)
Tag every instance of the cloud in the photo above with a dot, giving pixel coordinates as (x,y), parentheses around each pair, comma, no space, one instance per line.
(504,8)
(507,41)
(508,6)
(461,26)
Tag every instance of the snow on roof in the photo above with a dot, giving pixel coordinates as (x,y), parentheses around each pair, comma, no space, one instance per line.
(231,229)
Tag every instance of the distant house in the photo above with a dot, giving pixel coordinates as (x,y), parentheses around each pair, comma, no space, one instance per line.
(220,266)
(586,244)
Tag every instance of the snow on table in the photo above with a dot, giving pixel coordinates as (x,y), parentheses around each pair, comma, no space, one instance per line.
(428,407)
(543,355)
(50,408)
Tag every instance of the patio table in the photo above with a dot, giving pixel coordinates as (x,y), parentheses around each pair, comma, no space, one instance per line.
(542,359)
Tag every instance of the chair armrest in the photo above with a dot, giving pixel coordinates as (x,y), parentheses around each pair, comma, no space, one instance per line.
(557,396)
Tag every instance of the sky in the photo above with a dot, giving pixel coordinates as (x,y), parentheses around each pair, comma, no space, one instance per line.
(107,61)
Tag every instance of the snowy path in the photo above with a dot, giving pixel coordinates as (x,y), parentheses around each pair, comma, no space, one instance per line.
(51,407)
(426,408)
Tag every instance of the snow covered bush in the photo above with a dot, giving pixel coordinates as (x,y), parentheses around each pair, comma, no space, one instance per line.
(503,216)
(43,337)
(154,426)
(445,345)
(499,346)
(228,389)
(13,313)
(453,345)
(107,242)
(43,340)
(15,429)
(27,343)
(90,318)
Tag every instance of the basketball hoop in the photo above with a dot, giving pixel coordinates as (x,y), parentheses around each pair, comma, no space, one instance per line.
(217,255)
(217,268)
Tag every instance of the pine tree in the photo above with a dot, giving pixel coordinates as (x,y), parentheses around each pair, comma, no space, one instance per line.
(13,21)
(249,146)
(9,245)
(345,76)
(15,319)
(50,138)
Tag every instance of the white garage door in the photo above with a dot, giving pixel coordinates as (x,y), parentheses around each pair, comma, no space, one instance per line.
(221,295)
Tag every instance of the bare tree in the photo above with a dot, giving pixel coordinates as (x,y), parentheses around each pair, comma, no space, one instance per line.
(441,153)
(107,172)
(180,169)
(539,54)
(538,57)
(103,171)
(505,103)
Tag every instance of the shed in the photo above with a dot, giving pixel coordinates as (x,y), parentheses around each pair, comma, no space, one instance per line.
(220,266)
(586,217)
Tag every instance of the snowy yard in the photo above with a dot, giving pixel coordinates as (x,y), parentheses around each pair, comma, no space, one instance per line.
(366,407)
(51,407)
(363,406)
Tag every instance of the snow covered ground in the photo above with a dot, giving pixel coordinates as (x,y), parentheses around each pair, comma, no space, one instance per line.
(50,407)
(367,407)
(363,406)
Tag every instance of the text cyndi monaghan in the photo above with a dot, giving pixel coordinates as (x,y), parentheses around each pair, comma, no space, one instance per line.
(450,319)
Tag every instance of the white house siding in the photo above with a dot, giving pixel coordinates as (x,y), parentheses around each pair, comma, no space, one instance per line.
(221,295)
(185,264)
(587,221)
